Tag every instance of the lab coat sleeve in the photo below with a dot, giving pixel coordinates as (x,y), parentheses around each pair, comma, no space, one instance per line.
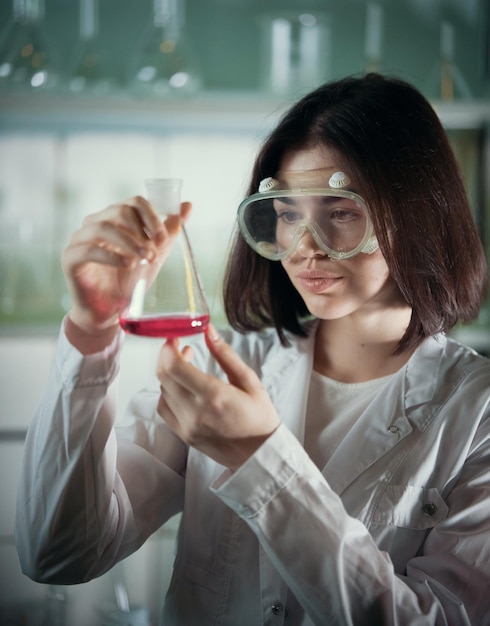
(330,561)
(88,497)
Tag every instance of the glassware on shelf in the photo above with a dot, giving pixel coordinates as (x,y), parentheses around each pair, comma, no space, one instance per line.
(296,51)
(445,80)
(452,82)
(55,606)
(91,72)
(26,62)
(164,64)
(166,295)
(373,38)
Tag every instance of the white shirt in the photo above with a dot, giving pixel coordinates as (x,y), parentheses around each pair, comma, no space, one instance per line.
(333,409)
(394,530)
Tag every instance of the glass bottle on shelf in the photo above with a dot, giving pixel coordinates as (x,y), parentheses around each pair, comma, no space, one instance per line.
(295,50)
(373,37)
(26,61)
(91,72)
(164,63)
(452,81)
(55,606)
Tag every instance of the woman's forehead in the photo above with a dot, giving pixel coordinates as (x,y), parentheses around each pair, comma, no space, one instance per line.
(318,167)
(313,158)
(333,177)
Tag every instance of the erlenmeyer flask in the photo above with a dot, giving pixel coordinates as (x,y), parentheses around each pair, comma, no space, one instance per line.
(91,72)
(167,297)
(165,65)
(25,60)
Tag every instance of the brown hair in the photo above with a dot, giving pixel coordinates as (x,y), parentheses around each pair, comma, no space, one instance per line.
(400,154)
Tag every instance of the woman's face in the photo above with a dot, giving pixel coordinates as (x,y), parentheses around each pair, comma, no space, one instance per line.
(335,289)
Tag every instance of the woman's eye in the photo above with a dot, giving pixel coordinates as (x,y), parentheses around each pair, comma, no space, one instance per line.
(289,217)
(344,215)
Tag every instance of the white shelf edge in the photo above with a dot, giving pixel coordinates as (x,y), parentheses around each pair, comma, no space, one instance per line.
(209,110)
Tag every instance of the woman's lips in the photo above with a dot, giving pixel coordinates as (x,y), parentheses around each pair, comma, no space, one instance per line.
(316,282)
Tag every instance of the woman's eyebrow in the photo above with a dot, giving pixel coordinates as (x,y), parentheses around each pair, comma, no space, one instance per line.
(321,201)
(290,200)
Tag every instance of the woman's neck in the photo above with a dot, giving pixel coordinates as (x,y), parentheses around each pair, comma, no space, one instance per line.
(359,348)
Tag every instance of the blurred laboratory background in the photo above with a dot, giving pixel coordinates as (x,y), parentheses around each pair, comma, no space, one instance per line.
(96,96)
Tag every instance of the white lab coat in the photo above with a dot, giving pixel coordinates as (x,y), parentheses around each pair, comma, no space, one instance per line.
(394,531)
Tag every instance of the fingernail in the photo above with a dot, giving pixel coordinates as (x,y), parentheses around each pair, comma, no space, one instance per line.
(213,333)
(146,254)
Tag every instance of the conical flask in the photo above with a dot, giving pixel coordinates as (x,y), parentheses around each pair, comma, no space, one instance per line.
(90,71)
(165,64)
(26,61)
(167,298)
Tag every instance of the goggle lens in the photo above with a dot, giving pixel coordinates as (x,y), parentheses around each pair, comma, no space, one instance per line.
(274,223)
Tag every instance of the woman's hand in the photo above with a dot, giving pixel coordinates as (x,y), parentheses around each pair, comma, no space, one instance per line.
(226,421)
(100,260)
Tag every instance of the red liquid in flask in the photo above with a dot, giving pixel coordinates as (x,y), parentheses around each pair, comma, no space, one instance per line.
(168,326)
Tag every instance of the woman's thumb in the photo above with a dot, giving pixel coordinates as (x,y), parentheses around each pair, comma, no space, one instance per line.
(239,374)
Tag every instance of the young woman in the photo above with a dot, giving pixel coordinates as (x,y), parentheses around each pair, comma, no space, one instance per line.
(331,454)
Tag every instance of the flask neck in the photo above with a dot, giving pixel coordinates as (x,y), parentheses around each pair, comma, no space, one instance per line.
(89,19)
(28,11)
(168,16)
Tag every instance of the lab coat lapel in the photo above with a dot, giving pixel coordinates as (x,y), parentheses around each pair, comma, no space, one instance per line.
(390,418)
(286,377)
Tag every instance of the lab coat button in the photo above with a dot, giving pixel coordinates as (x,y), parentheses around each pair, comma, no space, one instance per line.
(277,608)
(429,509)
(393,429)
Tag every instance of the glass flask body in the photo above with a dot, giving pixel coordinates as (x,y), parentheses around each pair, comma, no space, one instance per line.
(167,298)
(91,71)
(26,61)
(165,64)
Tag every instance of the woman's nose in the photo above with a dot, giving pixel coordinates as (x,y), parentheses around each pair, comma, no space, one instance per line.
(307,246)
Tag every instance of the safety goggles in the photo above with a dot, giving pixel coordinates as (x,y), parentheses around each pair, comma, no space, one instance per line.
(275,221)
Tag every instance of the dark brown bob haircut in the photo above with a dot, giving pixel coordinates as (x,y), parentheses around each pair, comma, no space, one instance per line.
(397,149)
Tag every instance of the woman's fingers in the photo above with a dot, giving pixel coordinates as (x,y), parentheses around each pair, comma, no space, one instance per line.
(176,365)
(101,260)
(239,374)
(105,242)
(227,422)
(75,256)
(135,215)
(175,368)
(130,229)
(148,218)
(185,211)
